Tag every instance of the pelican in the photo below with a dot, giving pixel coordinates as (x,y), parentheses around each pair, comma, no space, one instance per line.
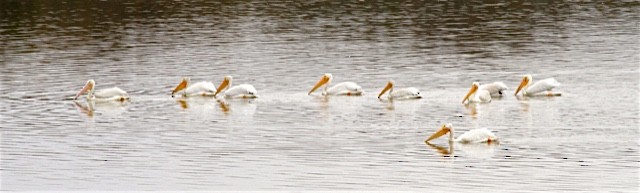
(482,135)
(542,87)
(240,91)
(476,95)
(203,88)
(403,93)
(495,88)
(109,94)
(343,88)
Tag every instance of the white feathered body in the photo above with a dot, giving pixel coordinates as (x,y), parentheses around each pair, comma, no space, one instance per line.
(405,93)
(495,88)
(114,93)
(203,88)
(541,86)
(344,88)
(481,135)
(241,91)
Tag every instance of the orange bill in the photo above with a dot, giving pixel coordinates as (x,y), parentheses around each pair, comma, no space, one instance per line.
(386,88)
(180,86)
(222,86)
(443,130)
(473,89)
(524,82)
(321,82)
(84,89)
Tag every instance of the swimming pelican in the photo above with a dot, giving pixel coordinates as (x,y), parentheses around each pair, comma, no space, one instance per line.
(403,93)
(109,94)
(240,91)
(542,87)
(495,88)
(343,88)
(476,95)
(203,88)
(482,135)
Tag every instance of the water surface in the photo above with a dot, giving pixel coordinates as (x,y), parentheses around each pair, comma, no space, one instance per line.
(586,140)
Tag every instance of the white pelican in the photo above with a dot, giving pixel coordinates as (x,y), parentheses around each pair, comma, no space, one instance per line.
(476,95)
(495,88)
(542,87)
(403,93)
(343,88)
(109,94)
(482,135)
(240,91)
(203,88)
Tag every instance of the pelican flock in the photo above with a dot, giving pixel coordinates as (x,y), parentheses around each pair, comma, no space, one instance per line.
(109,94)
(403,93)
(343,88)
(477,94)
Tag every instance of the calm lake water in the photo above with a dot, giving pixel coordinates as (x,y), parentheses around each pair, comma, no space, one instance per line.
(586,140)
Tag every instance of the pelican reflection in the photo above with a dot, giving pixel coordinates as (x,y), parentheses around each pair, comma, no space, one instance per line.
(473,150)
(441,149)
(109,108)
(246,106)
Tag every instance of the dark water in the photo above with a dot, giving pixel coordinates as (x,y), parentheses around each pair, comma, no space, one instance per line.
(586,140)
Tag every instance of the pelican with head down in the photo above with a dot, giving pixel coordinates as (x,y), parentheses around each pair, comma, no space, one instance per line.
(540,88)
(343,88)
(482,135)
(402,93)
(476,95)
(240,91)
(203,88)
(109,94)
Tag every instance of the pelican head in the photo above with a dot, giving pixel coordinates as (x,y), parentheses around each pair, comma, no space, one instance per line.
(474,89)
(388,87)
(225,84)
(446,128)
(88,87)
(183,84)
(325,79)
(526,80)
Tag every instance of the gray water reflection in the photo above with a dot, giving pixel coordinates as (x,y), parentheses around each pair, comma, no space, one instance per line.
(107,108)
(288,140)
(479,151)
